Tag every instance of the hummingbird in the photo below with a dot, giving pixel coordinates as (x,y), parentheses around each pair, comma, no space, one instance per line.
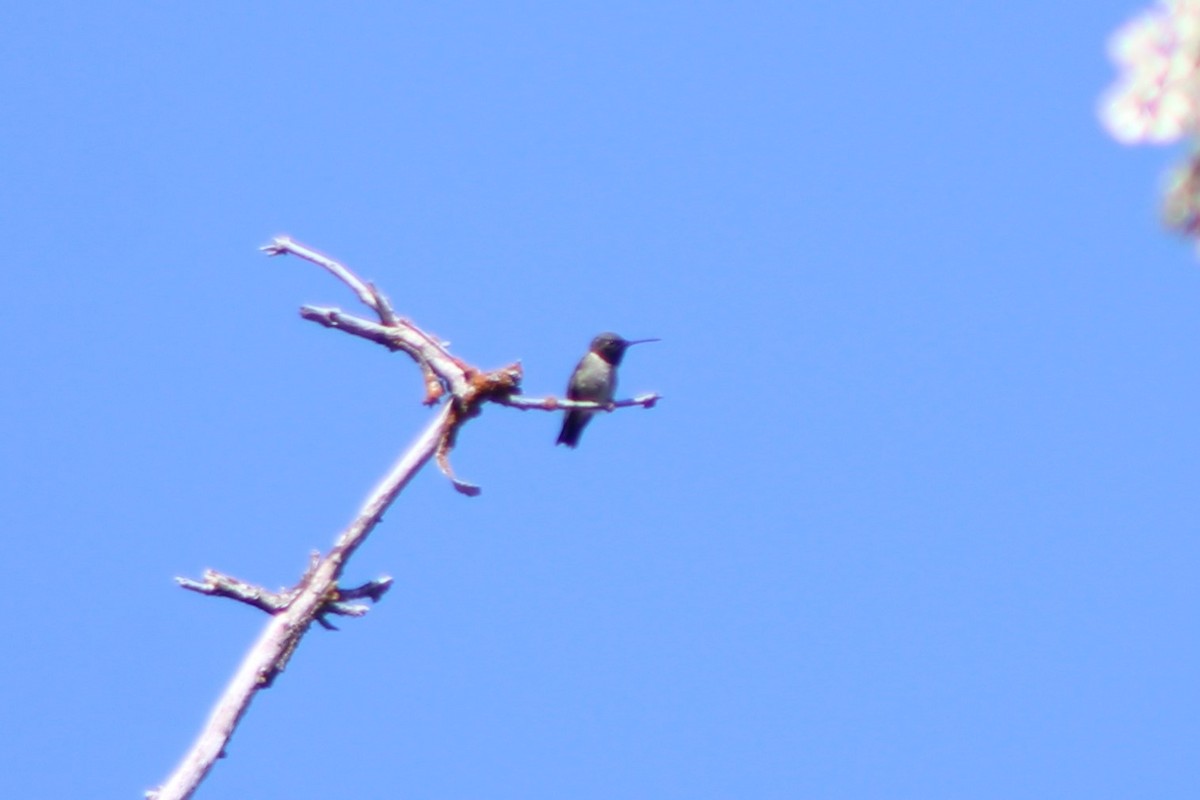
(595,378)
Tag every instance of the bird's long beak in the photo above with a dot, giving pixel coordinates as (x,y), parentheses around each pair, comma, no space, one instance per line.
(641,341)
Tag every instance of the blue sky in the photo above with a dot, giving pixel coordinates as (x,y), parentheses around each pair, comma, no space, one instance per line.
(916,518)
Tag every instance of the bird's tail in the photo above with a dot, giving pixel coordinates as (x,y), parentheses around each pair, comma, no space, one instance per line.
(572,428)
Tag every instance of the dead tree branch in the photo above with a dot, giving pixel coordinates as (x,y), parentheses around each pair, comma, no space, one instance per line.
(317,594)
(523,403)
(307,603)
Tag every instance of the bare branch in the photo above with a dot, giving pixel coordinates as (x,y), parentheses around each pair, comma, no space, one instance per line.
(217,584)
(449,436)
(317,595)
(387,314)
(557,404)
(372,590)
(270,654)
(437,365)
(283,245)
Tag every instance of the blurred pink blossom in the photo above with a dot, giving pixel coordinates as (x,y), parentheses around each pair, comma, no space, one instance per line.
(1157,97)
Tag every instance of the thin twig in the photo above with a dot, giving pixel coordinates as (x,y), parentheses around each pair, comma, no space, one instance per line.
(217,584)
(407,336)
(366,293)
(556,403)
